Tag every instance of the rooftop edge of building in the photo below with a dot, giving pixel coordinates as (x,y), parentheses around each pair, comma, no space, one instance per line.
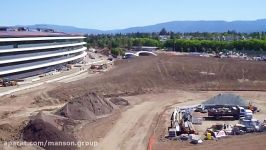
(19,32)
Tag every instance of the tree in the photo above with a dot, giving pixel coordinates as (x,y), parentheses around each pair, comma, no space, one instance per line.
(117,51)
(163,32)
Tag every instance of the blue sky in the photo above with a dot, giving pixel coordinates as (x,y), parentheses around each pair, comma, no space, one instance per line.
(116,14)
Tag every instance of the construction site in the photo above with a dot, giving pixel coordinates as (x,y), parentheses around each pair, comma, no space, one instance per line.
(150,102)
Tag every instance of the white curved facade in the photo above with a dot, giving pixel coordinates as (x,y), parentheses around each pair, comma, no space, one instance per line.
(27,56)
(140,53)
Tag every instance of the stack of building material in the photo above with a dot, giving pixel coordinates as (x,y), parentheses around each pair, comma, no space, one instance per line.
(197,120)
(194,139)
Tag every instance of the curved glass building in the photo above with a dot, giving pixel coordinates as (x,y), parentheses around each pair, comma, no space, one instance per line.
(24,54)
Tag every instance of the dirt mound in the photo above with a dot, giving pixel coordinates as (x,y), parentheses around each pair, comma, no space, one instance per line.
(86,107)
(49,128)
(7,132)
(155,74)
(227,99)
(119,101)
(6,127)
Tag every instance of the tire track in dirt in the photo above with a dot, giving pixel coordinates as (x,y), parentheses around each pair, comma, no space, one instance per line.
(132,130)
(125,126)
(140,138)
(160,71)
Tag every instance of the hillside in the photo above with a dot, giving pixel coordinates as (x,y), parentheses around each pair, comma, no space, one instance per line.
(202,26)
(141,75)
(175,26)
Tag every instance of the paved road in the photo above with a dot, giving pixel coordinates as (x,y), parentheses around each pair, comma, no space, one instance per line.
(71,76)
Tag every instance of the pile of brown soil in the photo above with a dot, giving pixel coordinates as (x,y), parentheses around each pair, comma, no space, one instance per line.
(119,101)
(6,132)
(6,127)
(86,107)
(49,128)
(11,131)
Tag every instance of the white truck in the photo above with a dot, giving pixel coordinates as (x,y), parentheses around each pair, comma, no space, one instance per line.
(248,114)
(251,125)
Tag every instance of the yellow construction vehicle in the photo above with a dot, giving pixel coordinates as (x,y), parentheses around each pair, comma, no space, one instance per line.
(252,107)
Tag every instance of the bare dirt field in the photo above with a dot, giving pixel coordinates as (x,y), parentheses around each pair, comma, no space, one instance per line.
(153,74)
(153,86)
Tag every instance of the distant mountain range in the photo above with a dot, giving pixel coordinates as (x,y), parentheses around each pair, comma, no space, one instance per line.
(175,26)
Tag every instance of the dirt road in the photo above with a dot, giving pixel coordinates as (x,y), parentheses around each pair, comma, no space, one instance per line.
(132,130)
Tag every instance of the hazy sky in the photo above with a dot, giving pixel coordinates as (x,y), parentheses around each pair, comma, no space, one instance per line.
(114,14)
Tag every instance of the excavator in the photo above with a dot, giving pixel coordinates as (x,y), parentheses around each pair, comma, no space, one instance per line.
(181,121)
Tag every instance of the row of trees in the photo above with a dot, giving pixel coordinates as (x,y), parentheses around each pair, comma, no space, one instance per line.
(198,42)
(107,41)
(210,46)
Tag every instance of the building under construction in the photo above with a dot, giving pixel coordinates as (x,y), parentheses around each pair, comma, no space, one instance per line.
(29,52)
